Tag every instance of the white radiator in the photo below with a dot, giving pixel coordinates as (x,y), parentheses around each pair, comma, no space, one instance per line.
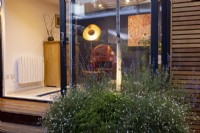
(30,69)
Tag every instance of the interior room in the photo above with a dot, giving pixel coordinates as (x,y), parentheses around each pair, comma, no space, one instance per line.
(26,25)
(31,43)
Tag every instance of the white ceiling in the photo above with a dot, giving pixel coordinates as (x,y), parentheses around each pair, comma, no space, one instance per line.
(107,4)
(110,4)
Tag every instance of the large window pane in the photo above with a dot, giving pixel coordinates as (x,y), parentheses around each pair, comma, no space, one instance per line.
(135,26)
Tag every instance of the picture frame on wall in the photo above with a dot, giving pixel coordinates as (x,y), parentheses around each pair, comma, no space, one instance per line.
(139,30)
(57,21)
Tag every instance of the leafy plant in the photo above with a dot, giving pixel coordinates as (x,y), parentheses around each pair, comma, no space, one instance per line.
(148,103)
(145,40)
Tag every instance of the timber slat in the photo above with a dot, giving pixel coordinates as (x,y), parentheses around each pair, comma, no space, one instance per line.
(179,14)
(186,27)
(186,77)
(186,68)
(180,1)
(183,9)
(192,122)
(22,111)
(188,4)
(185,23)
(186,63)
(185,32)
(186,55)
(20,102)
(195,127)
(18,128)
(186,41)
(185,18)
(195,101)
(185,59)
(23,107)
(191,73)
(194,131)
(185,36)
(186,50)
(188,86)
(185,46)
(193,119)
(186,81)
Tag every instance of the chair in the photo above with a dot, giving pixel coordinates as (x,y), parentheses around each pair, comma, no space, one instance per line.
(103,59)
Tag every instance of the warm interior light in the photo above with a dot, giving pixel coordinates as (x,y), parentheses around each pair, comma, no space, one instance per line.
(91,33)
(100,5)
(127,1)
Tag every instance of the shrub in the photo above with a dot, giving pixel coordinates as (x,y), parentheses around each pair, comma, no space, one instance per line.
(146,104)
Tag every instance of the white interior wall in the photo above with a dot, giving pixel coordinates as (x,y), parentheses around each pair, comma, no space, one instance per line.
(23,35)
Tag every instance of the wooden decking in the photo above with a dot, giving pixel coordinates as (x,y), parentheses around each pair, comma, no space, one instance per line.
(23,107)
(18,128)
(16,116)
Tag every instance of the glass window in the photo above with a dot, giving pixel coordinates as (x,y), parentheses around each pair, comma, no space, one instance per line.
(98,19)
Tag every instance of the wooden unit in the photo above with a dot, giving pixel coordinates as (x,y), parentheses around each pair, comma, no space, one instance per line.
(52,63)
(185,52)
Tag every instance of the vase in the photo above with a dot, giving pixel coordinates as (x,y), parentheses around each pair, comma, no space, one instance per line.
(50,38)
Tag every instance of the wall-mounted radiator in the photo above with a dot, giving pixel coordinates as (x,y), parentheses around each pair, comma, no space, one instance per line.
(30,69)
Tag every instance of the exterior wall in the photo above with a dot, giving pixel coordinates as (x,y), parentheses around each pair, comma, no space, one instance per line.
(23,35)
(185,53)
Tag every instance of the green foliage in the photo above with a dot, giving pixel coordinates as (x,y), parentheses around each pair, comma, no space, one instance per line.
(145,81)
(59,117)
(147,104)
(97,82)
(103,113)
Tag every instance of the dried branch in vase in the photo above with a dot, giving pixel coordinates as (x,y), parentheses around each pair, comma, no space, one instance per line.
(49,21)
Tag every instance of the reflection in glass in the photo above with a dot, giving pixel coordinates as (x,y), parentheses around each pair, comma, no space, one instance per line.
(134,34)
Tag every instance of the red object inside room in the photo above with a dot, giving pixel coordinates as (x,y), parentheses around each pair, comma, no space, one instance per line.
(103,58)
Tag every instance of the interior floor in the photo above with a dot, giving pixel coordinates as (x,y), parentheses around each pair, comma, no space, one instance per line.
(43,93)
